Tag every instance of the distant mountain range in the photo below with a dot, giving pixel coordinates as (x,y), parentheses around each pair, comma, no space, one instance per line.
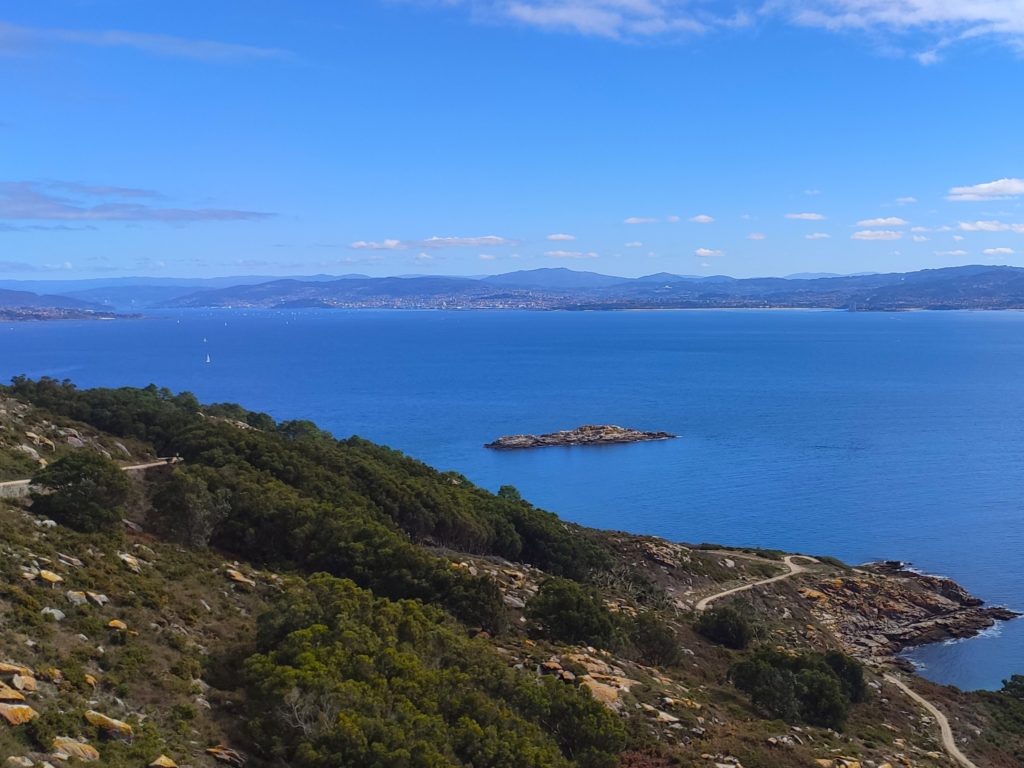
(967,287)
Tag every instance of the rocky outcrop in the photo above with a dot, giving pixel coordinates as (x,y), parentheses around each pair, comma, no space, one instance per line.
(882,609)
(588,434)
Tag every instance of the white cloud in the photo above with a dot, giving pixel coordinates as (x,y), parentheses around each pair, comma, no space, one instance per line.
(487,241)
(906,200)
(561,237)
(941,22)
(888,221)
(805,216)
(756,236)
(812,192)
(465,242)
(640,220)
(634,244)
(938,23)
(951,253)
(958,238)
(707,253)
(818,236)
(702,218)
(487,257)
(999,251)
(991,190)
(876,234)
(920,229)
(423,258)
(571,255)
(991,226)
(382,245)
(920,239)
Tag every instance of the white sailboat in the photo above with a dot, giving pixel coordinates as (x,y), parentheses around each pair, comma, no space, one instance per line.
(207,357)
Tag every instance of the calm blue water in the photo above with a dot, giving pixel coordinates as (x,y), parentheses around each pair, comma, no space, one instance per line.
(863,436)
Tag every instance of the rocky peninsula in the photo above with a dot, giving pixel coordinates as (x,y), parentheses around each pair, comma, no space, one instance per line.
(588,434)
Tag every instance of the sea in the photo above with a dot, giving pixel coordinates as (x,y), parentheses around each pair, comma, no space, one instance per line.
(865,436)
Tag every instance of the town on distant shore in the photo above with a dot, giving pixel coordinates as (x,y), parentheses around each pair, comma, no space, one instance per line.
(976,287)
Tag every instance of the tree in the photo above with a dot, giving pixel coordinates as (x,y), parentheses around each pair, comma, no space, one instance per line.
(565,610)
(83,490)
(1014,687)
(185,510)
(726,626)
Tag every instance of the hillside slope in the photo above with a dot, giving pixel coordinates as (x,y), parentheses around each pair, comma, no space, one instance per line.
(346,605)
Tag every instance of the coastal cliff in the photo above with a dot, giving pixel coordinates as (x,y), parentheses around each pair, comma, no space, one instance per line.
(588,434)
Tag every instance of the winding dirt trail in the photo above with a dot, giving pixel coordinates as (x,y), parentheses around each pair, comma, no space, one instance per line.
(794,569)
(948,742)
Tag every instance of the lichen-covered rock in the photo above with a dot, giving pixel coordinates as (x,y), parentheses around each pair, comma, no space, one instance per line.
(17,714)
(79,750)
(111,728)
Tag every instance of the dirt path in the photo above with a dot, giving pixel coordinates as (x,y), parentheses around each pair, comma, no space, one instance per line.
(948,742)
(794,569)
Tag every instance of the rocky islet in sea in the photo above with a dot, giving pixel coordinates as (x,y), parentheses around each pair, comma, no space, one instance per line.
(588,434)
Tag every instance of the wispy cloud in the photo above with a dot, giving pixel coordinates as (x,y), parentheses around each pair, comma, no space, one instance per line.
(999,189)
(702,218)
(959,252)
(67,201)
(938,23)
(887,221)
(817,236)
(877,234)
(19,39)
(640,220)
(991,225)
(634,244)
(487,241)
(24,266)
(906,200)
(571,255)
(561,237)
(707,253)
(999,251)
(756,236)
(805,216)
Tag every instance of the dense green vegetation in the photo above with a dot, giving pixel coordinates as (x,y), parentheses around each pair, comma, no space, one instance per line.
(565,610)
(806,687)
(726,625)
(84,491)
(344,678)
(301,499)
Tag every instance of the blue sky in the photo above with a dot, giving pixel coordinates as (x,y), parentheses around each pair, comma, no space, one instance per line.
(483,136)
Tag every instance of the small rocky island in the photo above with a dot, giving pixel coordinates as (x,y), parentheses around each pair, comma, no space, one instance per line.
(588,434)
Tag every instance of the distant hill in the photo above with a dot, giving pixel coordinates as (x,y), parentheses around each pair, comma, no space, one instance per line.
(557,278)
(967,287)
(27,299)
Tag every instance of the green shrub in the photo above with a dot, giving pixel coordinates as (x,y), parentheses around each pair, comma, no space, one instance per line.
(566,610)
(807,687)
(655,641)
(84,491)
(726,626)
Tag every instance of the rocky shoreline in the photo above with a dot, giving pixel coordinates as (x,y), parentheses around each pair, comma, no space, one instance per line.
(883,609)
(588,434)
